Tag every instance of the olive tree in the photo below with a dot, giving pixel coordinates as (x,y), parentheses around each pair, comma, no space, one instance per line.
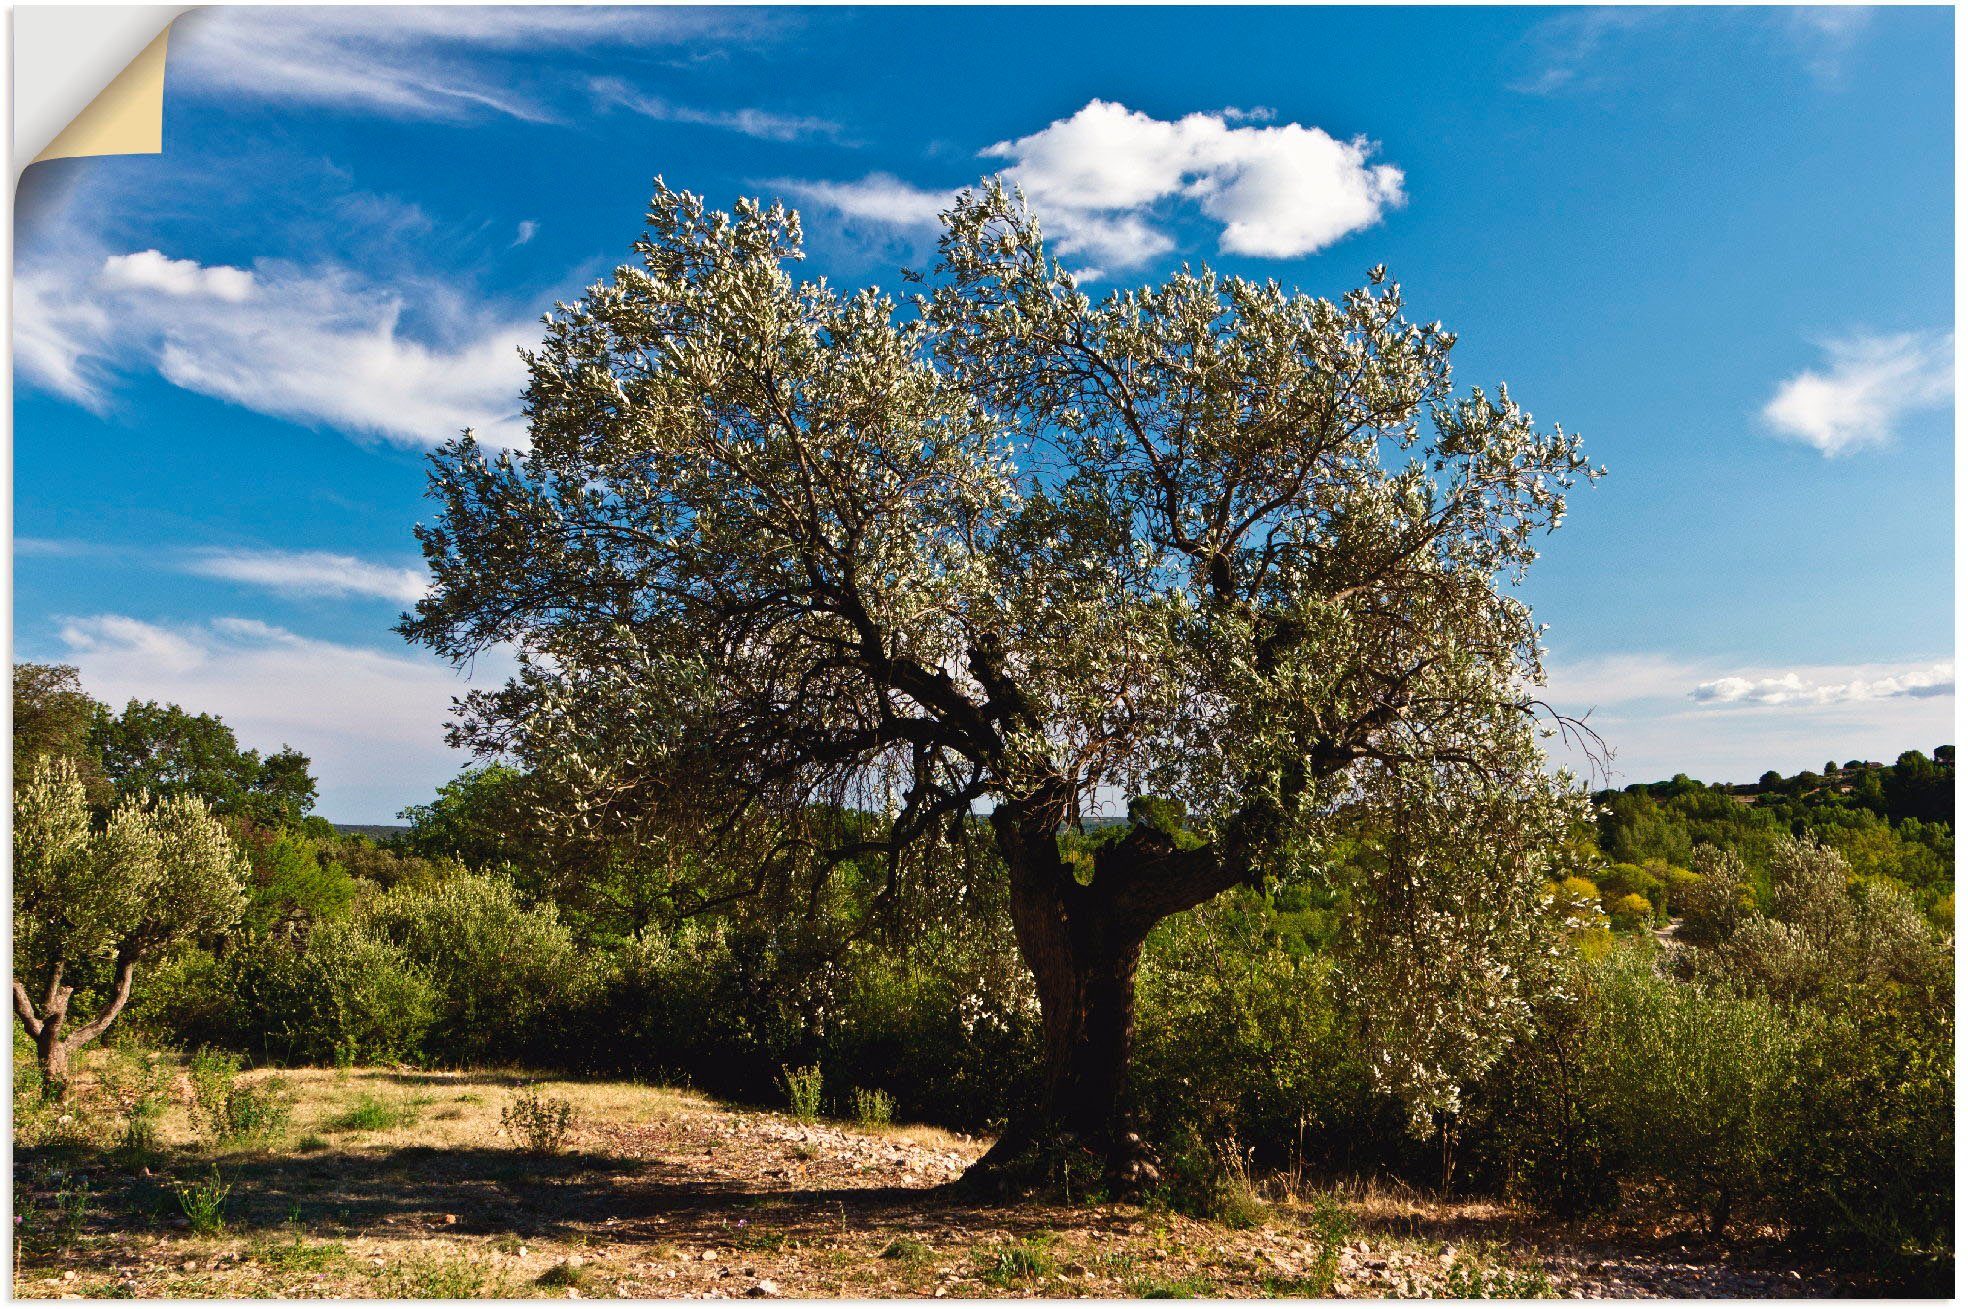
(832,574)
(93,901)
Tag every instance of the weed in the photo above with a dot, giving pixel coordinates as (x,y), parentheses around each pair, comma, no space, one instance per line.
(873,1108)
(71,1210)
(909,1250)
(802,1088)
(429,1277)
(1029,1260)
(204,1202)
(371,1113)
(230,1113)
(540,1123)
(298,1255)
(310,1143)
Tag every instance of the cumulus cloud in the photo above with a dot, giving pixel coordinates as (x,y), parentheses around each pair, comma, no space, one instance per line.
(383,740)
(763,124)
(311,572)
(1868,383)
(315,345)
(1275,190)
(1104,179)
(452,62)
(152,270)
(1797,689)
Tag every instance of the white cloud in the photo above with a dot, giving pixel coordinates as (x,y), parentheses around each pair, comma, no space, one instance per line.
(372,720)
(759,123)
(1102,179)
(1276,191)
(1796,689)
(1869,382)
(152,270)
(877,198)
(1664,714)
(56,326)
(319,346)
(528,229)
(420,61)
(311,572)
(1823,36)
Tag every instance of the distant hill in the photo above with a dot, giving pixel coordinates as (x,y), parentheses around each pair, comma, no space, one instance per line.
(374,831)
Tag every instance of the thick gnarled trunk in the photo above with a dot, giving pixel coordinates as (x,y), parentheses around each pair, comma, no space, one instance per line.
(1083,945)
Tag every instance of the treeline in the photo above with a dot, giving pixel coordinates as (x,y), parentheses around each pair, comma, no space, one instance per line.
(1784,1056)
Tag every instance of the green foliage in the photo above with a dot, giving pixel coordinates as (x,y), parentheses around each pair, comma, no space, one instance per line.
(373,1113)
(496,966)
(229,1112)
(163,750)
(53,716)
(1016,1264)
(802,1087)
(873,1108)
(536,1121)
(204,1201)
(92,902)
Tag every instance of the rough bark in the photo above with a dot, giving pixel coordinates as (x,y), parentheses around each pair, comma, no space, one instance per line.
(1082,943)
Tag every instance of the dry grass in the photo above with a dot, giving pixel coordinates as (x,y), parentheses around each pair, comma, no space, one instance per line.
(657,1193)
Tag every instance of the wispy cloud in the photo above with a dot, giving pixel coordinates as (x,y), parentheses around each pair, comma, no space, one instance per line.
(424,61)
(526,231)
(1102,178)
(1593,48)
(311,573)
(383,741)
(1570,50)
(877,198)
(1663,714)
(321,345)
(1823,36)
(613,92)
(1868,383)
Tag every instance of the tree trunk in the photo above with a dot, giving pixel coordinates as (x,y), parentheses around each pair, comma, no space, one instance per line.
(1083,943)
(52,1053)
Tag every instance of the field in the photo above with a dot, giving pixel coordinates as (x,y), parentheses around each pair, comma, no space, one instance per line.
(380,1183)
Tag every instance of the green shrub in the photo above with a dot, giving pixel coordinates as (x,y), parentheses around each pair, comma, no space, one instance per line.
(230,1113)
(372,1113)
(873,1108)
(497,966)
(802,1087)
(538,1122)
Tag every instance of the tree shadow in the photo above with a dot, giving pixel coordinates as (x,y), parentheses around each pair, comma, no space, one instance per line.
(482,1192)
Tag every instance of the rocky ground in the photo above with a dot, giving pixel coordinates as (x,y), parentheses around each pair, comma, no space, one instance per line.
(406,1184)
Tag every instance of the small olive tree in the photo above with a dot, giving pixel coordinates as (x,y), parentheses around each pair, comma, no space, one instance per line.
(1232,557)
(92,902)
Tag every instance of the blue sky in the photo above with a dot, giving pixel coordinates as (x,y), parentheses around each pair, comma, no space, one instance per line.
(1717,242)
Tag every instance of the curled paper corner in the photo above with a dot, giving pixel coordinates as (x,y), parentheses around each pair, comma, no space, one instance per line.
(60,62)
(127,118)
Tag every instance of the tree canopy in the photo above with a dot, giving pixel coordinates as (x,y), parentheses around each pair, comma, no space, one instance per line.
(779,554)
(92,901)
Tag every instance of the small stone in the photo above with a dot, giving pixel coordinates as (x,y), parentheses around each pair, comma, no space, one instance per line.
(764,1288)
(575,1263)
(450,1219)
